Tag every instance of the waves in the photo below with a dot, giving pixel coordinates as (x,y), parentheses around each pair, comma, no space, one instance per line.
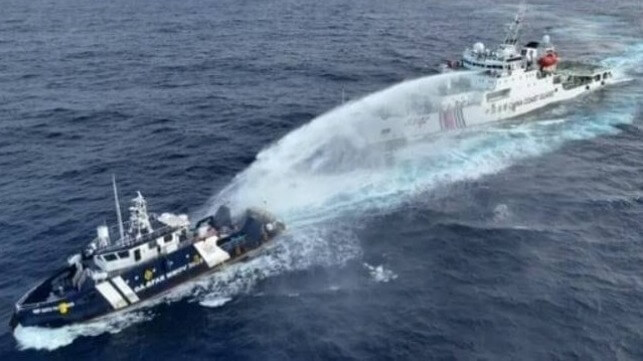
(40,338)
(321,203)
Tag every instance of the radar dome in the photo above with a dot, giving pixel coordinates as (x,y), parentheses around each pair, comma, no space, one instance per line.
(478,47)
(546,39)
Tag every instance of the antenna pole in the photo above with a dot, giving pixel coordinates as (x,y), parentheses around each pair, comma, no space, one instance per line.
(514,28)
(121,232)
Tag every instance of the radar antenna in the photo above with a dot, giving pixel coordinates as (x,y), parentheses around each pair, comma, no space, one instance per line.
(513,31)
(139,219)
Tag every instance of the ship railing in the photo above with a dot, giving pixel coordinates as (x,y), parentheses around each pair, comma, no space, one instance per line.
(129,239)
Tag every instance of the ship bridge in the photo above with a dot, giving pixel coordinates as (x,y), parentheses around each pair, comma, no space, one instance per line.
(143,237)
(503,60)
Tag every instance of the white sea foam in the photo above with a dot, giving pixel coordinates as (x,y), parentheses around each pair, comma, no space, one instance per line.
(40,338)
(300,249)
(214,302)
(380,274)
(501,213)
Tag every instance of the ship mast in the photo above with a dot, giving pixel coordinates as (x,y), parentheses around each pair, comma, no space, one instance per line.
(121,232)
(139,219)
(513,32)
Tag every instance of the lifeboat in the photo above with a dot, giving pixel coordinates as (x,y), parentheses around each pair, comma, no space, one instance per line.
(548,60)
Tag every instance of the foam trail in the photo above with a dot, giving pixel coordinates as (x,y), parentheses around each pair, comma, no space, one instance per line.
(213,301)
(299,249)
(40,338)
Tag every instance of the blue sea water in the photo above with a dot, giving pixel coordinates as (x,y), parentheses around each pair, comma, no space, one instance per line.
(517,241)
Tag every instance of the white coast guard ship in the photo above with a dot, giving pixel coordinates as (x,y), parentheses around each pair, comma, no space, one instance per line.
(147,256)
(499,83)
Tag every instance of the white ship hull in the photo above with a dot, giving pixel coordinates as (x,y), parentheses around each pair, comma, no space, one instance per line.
(518,94)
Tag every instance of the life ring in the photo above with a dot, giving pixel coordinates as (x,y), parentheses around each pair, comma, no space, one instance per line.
(148,274)
(63,308)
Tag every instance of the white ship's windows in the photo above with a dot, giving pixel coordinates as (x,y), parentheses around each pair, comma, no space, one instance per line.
(123,254)
(109,257)
(151,245)
(167,238)
(137,254)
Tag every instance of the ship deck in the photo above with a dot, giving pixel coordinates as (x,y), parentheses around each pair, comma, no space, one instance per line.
(576,68)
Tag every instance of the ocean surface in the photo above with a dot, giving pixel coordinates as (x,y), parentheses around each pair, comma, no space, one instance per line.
(521,240)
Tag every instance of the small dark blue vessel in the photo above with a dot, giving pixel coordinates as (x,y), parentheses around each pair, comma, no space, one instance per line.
(151,255)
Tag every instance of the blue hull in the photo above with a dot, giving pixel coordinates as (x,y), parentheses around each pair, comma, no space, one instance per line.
(147,280)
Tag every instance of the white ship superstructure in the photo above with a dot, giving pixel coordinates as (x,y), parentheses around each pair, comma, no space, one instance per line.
(500,83)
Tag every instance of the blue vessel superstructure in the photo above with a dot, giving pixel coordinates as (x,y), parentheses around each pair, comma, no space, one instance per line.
(155,254)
